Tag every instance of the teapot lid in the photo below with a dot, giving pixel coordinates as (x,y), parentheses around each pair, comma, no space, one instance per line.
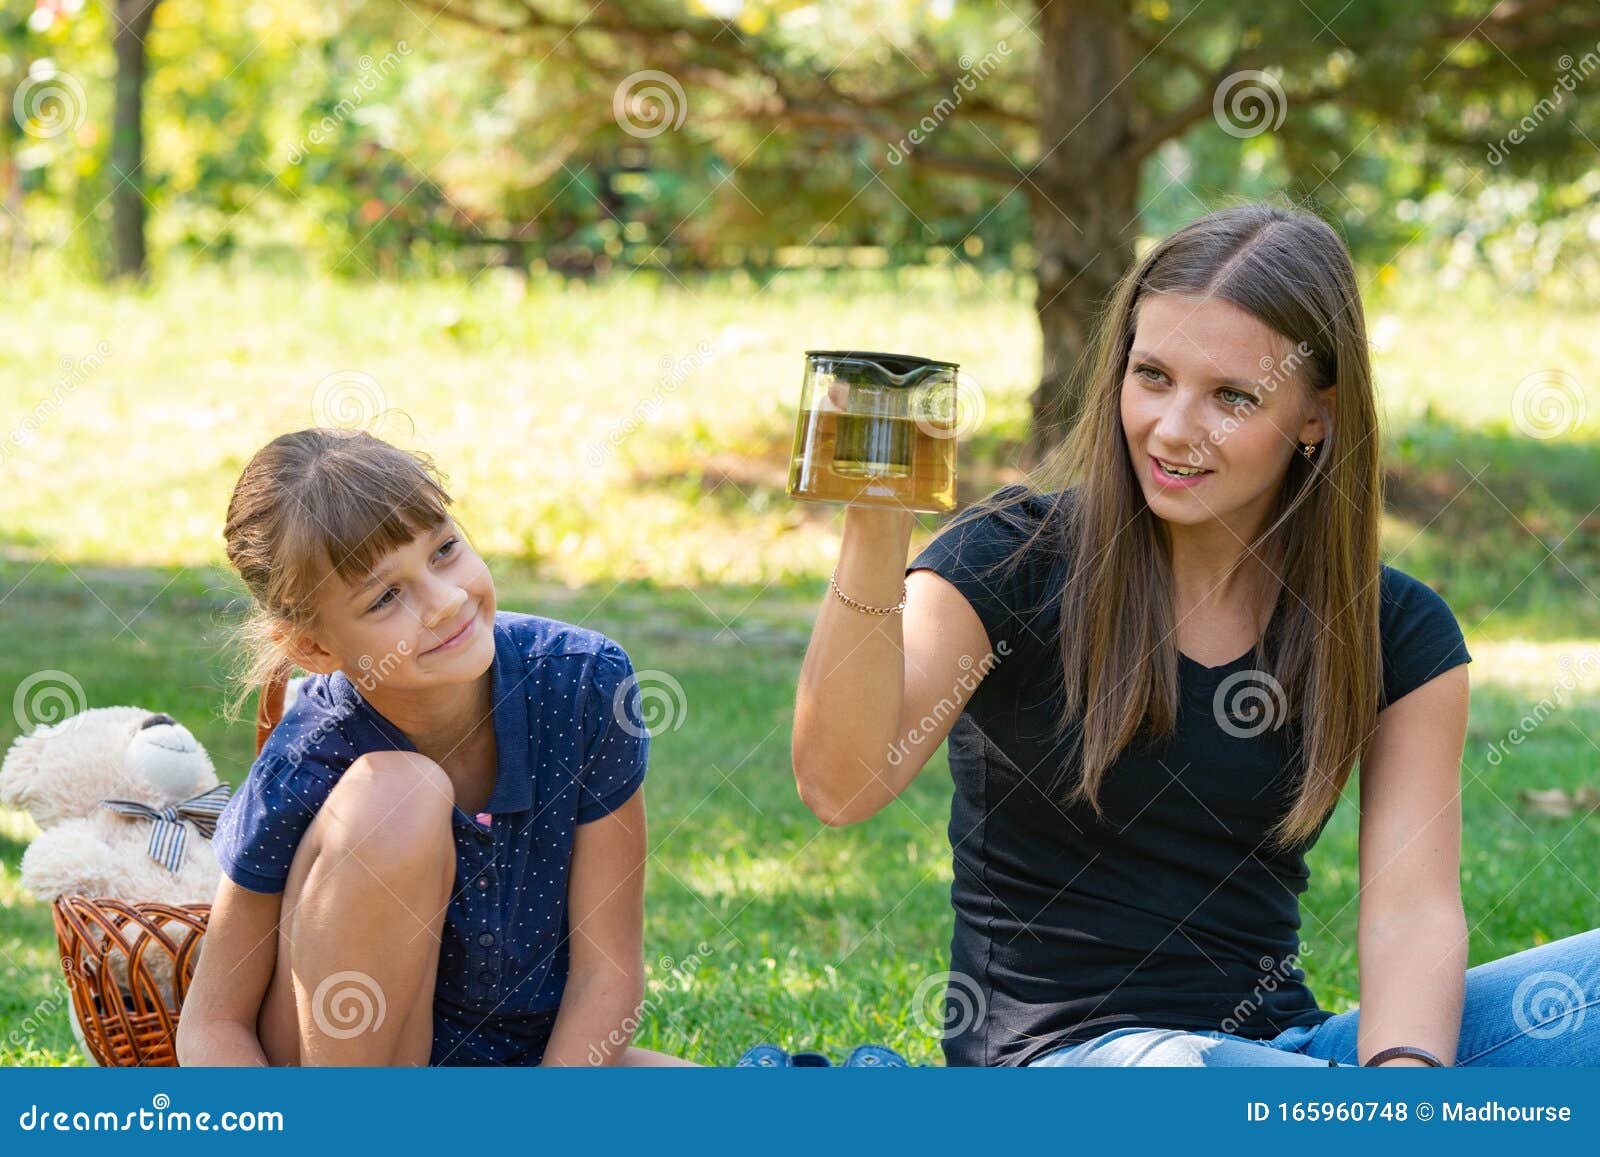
(897,364)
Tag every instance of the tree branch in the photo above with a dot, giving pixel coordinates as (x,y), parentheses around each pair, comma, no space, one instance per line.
(1164,47)
(1505,18)
(1508,14)
(1175,123)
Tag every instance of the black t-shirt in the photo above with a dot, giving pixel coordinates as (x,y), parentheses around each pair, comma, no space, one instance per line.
(1173,913)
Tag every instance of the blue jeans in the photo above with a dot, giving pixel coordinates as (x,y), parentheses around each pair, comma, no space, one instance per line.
(1536,1008)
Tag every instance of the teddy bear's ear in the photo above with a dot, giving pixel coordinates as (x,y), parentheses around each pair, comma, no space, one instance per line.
(19,772)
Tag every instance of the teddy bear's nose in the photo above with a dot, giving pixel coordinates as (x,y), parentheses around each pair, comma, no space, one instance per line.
(156,721)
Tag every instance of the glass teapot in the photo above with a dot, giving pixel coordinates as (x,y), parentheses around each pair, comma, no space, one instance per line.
(876,429)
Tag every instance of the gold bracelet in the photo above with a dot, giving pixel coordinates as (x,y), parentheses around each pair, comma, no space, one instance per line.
(833,582)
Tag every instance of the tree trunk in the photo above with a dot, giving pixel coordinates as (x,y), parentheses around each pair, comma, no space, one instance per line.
(11,228)
(1084,195)
(132,25)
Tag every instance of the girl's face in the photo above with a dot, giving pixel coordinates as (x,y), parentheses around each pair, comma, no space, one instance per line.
(424,617)
(1210,387)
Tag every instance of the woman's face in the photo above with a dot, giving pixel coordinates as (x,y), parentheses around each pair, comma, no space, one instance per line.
(402,627)
(1210,387)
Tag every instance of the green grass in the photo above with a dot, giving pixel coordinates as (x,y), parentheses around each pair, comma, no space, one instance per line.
(679,541)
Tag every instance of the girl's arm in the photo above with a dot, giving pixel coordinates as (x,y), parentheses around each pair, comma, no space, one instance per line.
(1412,932)
(870,683)
(217,1025)
(600,1006)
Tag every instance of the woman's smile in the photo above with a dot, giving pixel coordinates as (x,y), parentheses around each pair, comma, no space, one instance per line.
(1159,470)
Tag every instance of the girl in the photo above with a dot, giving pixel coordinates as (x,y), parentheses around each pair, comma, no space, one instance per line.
(1155,681)
(438,855)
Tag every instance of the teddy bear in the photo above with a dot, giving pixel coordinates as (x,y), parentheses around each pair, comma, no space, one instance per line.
(126,800)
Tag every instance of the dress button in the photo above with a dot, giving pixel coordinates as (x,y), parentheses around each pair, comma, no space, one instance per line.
(486,976)
(486,938)
(481,882)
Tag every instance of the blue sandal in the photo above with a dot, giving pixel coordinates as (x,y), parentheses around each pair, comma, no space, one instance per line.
(767,1056)
(770,1056)
(874,1056)
(763,1057)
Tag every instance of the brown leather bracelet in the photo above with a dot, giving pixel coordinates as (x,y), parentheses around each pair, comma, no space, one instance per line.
(1404,1051)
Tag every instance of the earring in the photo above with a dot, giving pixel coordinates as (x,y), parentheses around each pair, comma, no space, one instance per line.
(1309,449)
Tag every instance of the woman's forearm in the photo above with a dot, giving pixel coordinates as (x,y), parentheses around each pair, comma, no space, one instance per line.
(1413,981)
(852,682)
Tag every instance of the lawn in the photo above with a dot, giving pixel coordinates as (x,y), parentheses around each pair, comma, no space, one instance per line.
(619,453)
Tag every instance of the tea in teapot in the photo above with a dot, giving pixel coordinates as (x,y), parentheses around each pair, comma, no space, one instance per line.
(876,429)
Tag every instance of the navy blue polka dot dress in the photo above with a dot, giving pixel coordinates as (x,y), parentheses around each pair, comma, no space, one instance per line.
(571,748)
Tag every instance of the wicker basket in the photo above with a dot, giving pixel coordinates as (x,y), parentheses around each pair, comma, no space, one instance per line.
(129,966)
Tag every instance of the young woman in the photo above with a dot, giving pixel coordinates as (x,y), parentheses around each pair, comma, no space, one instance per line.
(1156,679)
(438,856)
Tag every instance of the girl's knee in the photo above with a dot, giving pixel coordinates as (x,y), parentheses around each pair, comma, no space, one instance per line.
(393,811)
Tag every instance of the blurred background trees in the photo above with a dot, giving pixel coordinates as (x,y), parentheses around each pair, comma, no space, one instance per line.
(381,138)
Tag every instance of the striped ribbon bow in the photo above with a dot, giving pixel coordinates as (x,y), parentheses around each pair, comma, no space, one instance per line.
(170,837)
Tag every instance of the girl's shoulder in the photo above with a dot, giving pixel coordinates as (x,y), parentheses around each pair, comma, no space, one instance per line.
(327,725)
(311,739)
(571,665)
(537,637)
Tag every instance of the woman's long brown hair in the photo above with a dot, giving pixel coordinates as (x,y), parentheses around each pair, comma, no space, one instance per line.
(1117,638)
